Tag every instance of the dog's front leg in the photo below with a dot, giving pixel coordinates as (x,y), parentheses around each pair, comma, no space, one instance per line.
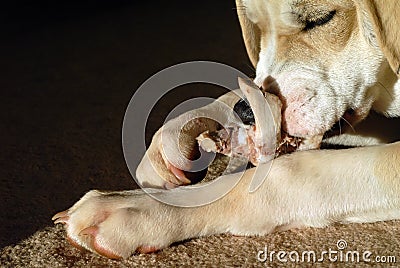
(312,188)
(116,224)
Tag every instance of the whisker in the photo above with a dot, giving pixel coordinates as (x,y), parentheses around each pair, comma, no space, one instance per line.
(241,7)
(251,67)
(297,142)
(387,90)
(351,126)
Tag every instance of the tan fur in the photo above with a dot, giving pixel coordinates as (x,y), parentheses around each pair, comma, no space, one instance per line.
(387,168)
(384,14)
(386,20)
(251,34)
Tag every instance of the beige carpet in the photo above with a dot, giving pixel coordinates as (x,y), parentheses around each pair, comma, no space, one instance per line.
(68,72)
(48,248)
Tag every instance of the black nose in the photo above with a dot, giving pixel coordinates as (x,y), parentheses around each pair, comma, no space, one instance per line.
(243,110)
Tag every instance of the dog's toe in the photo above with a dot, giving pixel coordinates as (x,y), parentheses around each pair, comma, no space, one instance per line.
(101,246)
(75,244)
(147,249)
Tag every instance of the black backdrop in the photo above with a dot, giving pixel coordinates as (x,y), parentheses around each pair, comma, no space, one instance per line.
(67,71)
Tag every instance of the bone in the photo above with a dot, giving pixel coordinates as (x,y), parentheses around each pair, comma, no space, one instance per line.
(267,113)
(256,142)
(259,142)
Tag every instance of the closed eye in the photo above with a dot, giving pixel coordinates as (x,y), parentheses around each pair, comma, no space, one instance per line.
(310,24)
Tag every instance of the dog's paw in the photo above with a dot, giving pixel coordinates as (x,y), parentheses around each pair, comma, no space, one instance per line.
(168,162)
(117,224)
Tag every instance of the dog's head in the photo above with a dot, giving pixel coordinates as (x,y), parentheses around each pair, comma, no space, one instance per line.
(325,55)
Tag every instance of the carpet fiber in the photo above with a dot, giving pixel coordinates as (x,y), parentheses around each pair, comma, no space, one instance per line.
(48,248)
(68,72)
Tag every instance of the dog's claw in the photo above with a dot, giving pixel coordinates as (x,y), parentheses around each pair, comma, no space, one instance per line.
(60,214)
(61,217)
(62,220)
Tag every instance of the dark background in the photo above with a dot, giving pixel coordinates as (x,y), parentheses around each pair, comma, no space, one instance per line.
(68,71)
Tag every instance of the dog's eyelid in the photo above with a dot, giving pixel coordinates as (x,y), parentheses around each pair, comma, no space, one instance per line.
(312,23)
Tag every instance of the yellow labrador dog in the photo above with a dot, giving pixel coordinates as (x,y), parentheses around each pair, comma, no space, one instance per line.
(332,59)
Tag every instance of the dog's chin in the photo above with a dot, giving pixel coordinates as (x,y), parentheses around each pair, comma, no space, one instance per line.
(345,124)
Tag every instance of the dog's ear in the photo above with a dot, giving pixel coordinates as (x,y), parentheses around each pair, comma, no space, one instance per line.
(385,18)
(251,33)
